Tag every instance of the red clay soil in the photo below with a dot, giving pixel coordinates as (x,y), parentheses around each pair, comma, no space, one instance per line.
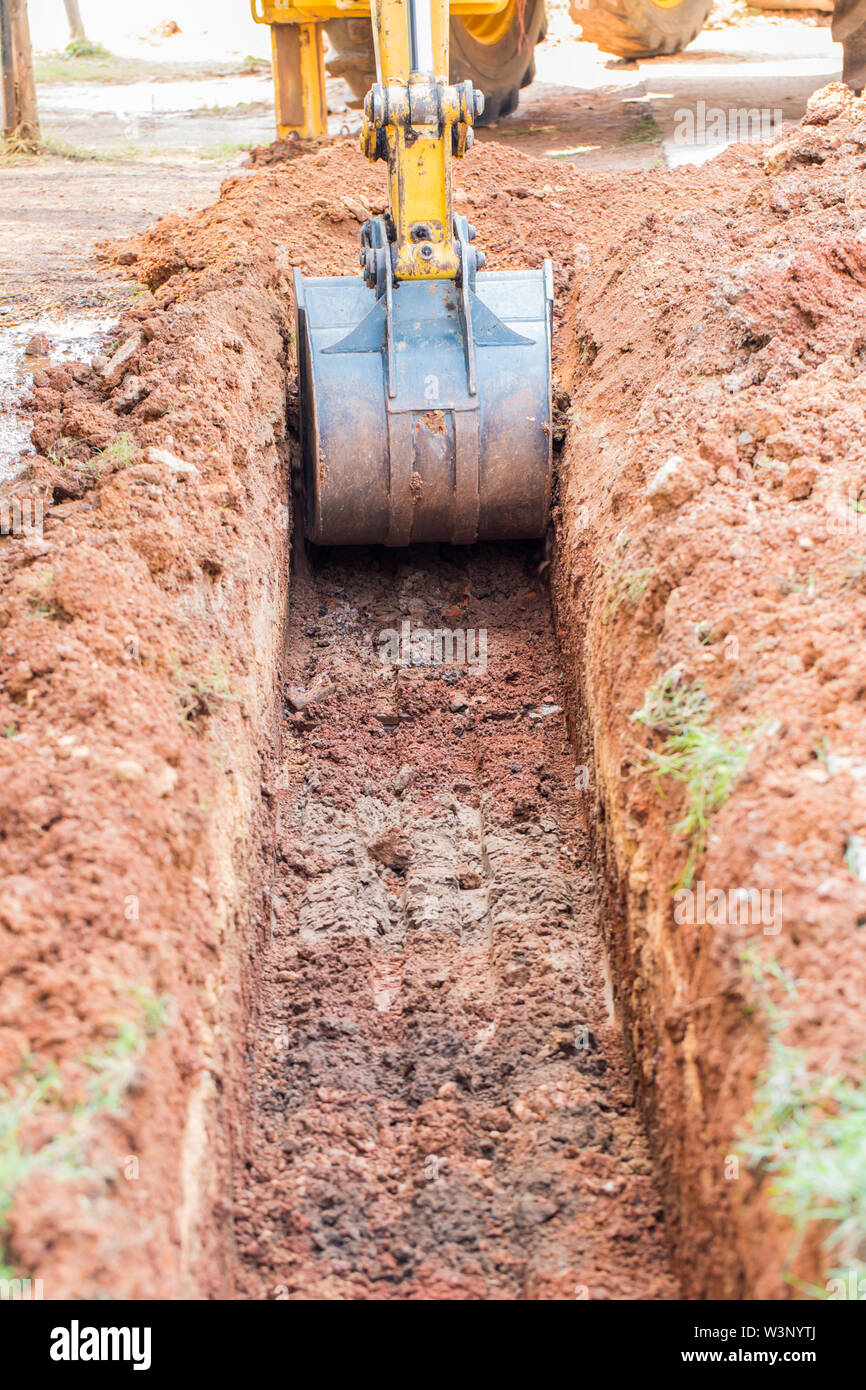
(443,1103)
(141,639)
(710,532)
(143,800)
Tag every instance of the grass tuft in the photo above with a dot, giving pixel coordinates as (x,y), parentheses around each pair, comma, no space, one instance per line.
(807,1131)
(112,1073)
(40,582)
(198,695)
(120,453)
(627,585)
(83,48)
(693,752)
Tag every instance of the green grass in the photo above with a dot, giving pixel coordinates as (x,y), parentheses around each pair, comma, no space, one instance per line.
(196,695)
(646,132)
(226,149)
(793,584)
(625,584)
(694,753)
(86,62)
(92,63)
(631,587)
(112,1072)
(120,453)
(13,152)
(807,1133)
(83,48)
(40,582)
(239,108)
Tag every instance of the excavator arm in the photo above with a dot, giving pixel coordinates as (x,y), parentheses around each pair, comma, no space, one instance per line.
(425,386)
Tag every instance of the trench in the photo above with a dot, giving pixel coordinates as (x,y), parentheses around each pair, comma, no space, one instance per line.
(441,1103)
(405,1072)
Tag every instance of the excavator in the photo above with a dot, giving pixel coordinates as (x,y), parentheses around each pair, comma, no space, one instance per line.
(425,382)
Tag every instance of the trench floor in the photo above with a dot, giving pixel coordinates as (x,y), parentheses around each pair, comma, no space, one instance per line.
(443,1106)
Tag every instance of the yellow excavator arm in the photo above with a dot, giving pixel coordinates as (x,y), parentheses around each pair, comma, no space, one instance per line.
(415,120)
(425,386)
(297,42)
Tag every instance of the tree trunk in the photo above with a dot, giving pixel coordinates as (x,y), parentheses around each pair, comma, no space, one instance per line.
(8,68)
(76,23)
(20,117)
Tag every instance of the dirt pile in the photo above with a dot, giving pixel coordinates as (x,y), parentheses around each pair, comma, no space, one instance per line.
(710,592)
(140,626)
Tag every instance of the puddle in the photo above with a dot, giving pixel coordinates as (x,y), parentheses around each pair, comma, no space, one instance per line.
(147,98)
(71,337)
(177,117)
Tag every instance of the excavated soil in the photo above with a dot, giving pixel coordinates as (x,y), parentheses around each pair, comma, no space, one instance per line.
(710,534)
(315,1004)
(443,1105)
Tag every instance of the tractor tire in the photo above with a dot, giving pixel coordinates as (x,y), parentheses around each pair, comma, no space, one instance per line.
(640,28)
(849,29)
(497,53)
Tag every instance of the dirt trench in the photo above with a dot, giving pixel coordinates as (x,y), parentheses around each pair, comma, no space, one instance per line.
(443,1107)
(223,1079)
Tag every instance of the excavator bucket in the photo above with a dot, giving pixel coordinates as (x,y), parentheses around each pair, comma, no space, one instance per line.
(425,427)
(425,383)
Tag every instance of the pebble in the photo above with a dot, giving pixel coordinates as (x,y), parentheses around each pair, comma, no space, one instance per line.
(117,364)
(131,392)
(776,158)
(299,698)
(544,711)
(403,778)
(129,770)
(671,485)
(164,780)
(38,346)
(175,465)
(533,1211)
(387,717)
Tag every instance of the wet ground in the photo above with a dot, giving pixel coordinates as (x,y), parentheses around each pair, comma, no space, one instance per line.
(585,107)
(130,151)
(21,354)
